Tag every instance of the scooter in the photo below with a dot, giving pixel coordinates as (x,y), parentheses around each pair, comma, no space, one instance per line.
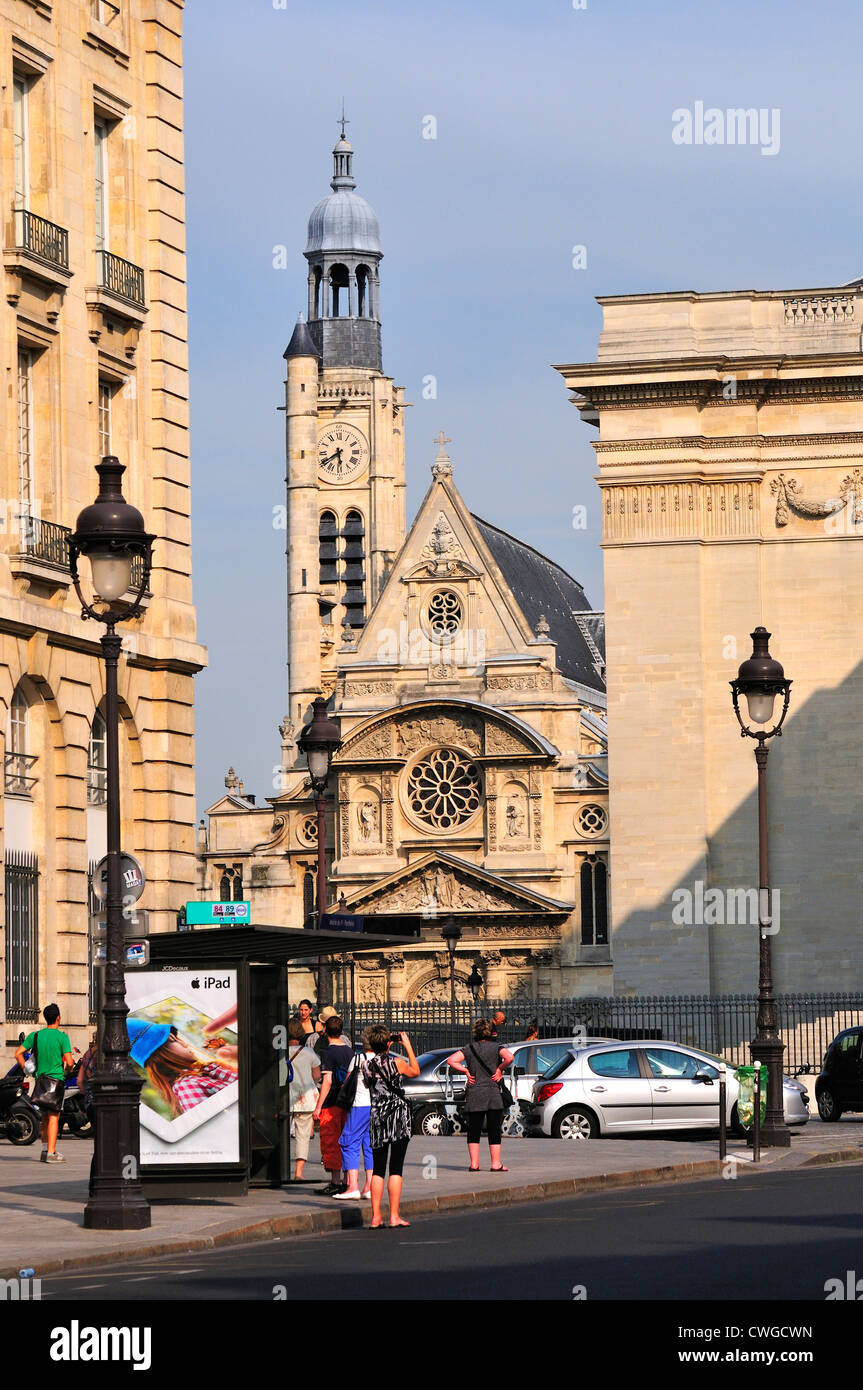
(20,1120)
(73,1113)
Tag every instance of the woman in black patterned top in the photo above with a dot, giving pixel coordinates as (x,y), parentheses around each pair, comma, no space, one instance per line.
(390,1122)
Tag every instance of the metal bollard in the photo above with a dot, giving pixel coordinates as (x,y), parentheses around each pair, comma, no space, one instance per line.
(723,1116)
(756,1118)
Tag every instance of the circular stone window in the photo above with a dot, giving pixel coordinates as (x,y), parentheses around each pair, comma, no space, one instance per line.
(307,830)
(591,820)
(444,789)
(445,613)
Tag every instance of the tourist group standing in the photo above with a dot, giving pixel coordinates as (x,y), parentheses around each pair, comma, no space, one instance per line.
(359,1105)
(357,1101)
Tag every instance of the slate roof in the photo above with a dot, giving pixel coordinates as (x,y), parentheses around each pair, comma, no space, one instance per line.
(542,588)
(302,343)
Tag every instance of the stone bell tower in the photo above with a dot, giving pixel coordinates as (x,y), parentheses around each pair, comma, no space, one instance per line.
(344,442)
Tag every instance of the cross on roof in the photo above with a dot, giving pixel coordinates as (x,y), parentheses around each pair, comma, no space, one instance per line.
(342,119)
(441,439)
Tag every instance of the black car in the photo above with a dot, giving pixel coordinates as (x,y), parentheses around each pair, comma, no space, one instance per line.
(436,1094)
(840,1084)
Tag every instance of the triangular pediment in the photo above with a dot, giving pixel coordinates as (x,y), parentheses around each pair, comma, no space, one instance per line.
(230,802)
(443,548)
(441,884)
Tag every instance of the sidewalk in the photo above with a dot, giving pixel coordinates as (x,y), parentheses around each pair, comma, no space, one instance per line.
(41,1207)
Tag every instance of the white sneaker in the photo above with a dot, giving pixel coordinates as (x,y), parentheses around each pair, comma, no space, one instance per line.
(349,1196)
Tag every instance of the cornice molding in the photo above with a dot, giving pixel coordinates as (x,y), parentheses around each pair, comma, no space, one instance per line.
(711,391)
(735,441)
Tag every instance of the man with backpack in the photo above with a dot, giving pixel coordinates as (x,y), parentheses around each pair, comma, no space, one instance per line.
(52,1053)
(336,1058)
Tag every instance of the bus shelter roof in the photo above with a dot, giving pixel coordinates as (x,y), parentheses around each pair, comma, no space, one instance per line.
(265,945)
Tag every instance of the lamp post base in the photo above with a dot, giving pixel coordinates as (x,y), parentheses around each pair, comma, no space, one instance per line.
(775,1134)
(117,1201)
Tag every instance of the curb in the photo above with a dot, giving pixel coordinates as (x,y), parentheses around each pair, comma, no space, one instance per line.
(834,1156)
(309,1223)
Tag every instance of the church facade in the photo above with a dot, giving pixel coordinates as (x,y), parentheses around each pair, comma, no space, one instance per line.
(466,672)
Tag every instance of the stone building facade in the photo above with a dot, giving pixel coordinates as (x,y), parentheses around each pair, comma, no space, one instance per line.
(93,339)
(466,672)
(730,457)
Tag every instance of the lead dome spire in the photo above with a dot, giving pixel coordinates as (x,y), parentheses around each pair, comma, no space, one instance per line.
(343,249)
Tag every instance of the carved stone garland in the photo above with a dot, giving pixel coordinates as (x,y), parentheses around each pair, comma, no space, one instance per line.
(788,498)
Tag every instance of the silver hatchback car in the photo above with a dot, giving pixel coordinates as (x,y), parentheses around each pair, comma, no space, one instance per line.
(620,1088)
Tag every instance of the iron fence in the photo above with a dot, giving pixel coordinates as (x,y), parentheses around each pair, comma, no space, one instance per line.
(719,1024)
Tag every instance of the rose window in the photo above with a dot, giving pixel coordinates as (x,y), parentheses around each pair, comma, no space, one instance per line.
(444,789)
(445,615)
(592,820)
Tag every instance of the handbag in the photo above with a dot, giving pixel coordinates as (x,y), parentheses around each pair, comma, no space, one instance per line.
(505,1093)
(47,1091)
(348,1090)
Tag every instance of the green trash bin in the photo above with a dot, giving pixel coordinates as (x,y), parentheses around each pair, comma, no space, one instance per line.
(746,1095)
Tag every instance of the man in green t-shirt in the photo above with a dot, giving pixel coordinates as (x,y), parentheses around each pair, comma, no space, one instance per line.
(53,1056)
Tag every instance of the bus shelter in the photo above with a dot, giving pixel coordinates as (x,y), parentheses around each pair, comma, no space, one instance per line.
(207,1022)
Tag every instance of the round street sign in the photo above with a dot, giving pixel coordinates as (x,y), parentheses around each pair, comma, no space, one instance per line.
(132,879)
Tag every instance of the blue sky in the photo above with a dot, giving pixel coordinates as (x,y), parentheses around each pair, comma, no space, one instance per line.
(553,130)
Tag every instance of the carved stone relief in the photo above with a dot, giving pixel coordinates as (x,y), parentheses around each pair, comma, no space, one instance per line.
(443,548)
(387,801)
(373,989)
(491,806)
(518,929)
(502,740)
(515,815)
(438,889)
(434,988)
(375,743)
(532,681)
(789,498)
(413,735)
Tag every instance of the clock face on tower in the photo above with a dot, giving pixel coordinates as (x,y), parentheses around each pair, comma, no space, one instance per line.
(342,453)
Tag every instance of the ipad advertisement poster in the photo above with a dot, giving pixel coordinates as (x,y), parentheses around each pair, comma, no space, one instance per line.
(183,1031)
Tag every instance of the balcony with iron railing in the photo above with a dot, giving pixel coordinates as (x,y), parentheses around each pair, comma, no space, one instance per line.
(104,12)
(37,248)
(46,541)
(121,277)
(41,237)
(17,779)
(97,785)
(108,28)
(43,554)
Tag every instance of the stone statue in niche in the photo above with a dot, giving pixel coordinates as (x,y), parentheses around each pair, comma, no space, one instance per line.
(369,820)
(516,818)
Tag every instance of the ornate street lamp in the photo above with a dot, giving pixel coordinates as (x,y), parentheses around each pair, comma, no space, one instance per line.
(475,981)
(111,535)
(320,740)
(451,933)
(760,679)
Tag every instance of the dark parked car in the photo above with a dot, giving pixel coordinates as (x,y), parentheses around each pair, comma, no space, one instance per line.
(435,1094)
(840,1084)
